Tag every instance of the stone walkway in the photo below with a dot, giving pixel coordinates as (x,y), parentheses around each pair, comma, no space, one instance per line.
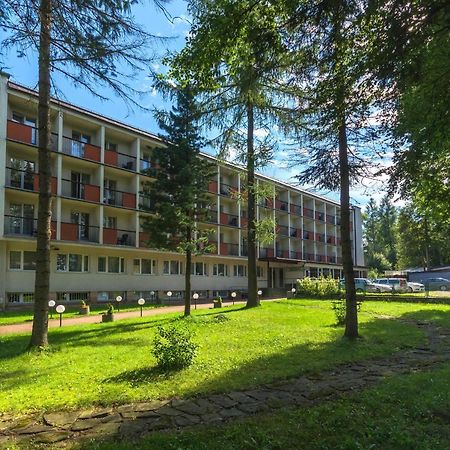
(137,420)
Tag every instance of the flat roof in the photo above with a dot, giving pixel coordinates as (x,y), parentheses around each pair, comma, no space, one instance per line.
(144,133)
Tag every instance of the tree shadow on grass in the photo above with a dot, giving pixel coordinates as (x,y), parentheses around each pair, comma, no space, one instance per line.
(143,375)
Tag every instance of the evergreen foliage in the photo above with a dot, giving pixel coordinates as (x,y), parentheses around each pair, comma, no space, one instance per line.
(179,199)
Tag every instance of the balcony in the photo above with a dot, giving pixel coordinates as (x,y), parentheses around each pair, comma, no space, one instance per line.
(81,191)
(331,219)
(143,239)
(24,226)
(320,216)
(227,189)
(244,250)
(265,252)
(321,258)
(229,219)
(113,236)
(119,198)
(308,235)
(229,249)
(78,232)
(331,259)
(331,240)
(26,180)
(296,209)
(27,134)
(212,187)
(282,253)
(283,230)
(121,160)
(79,149)
(296,255)
(212,216)
(145,203)
(281,205)
(295,232)
(307,212)
(310,257)
(320,237)
(149,168)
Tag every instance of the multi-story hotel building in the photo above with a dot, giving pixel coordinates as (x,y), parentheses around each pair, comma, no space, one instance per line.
(98,248)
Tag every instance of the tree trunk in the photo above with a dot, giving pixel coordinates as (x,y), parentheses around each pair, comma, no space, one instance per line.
(253,299)
(39,336)
(351,316)
(187,278)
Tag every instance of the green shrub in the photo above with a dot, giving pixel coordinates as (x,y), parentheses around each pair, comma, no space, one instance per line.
(339,308)
(320,287)
(173,347)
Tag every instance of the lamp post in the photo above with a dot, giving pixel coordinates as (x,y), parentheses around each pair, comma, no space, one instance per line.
(169,294)
(293,290)
(118,300)
(233,296)
(152,296)
(195,297)
(141,303)
(60,309)
(259,295)
(51,305)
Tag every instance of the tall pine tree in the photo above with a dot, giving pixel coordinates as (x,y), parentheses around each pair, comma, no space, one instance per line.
(178,198)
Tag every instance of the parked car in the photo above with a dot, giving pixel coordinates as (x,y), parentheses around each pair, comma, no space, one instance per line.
(437,284)
(415,287)
(397,284)
(365,285)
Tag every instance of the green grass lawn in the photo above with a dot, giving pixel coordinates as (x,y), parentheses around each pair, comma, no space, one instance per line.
(12,317)
(112,363)
(391,416)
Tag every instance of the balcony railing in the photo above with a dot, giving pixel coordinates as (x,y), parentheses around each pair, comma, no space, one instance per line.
(307,212)
(80,149)
(296,209)
(78,190)
(281,205)
(27,134)
(244,250)
(24,226)
(296,255)
(145,203)
(26,180)
(331,240)
(283,230)
(212,187)
(266,252)
(320,237)
(79,232)
(309,235)
(212,216)
(113,236)
(295,232)
(310,257)
(119,198)
(229,219)
(320,216)
(149,168)
(282,253)
(227,189)
(229,249)
(331,219)
(321,258)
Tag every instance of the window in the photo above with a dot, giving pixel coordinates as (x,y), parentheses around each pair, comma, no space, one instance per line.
(220,270)
(20,297)
(111,264)
(172,268)
(72,262)
(72,296)
(144,266)
(259,271)
(239,270)
(199,268)
(22,260)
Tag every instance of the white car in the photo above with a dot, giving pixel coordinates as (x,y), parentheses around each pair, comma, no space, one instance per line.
(415,287)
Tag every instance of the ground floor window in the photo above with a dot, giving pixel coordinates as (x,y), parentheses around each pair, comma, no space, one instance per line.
(20,297)
(259,271)
(199,268)
(144,266)
(172,268)
(72,263)
(239,270)
(220,270)
(111,264)
(22,260)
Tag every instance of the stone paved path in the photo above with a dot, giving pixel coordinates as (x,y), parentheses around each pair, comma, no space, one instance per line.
(136,420)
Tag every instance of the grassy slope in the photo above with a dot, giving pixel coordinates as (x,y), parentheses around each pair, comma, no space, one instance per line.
(112,363)
(390,416)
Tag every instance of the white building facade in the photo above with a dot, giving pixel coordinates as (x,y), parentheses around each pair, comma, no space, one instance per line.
(98,247)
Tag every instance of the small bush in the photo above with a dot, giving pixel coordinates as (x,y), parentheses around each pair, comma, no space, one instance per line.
(339,308)
(320,287)
(173,347)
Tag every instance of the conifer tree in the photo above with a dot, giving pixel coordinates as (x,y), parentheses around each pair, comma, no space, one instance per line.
(179,196)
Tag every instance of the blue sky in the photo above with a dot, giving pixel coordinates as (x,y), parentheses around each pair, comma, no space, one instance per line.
(176,26)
